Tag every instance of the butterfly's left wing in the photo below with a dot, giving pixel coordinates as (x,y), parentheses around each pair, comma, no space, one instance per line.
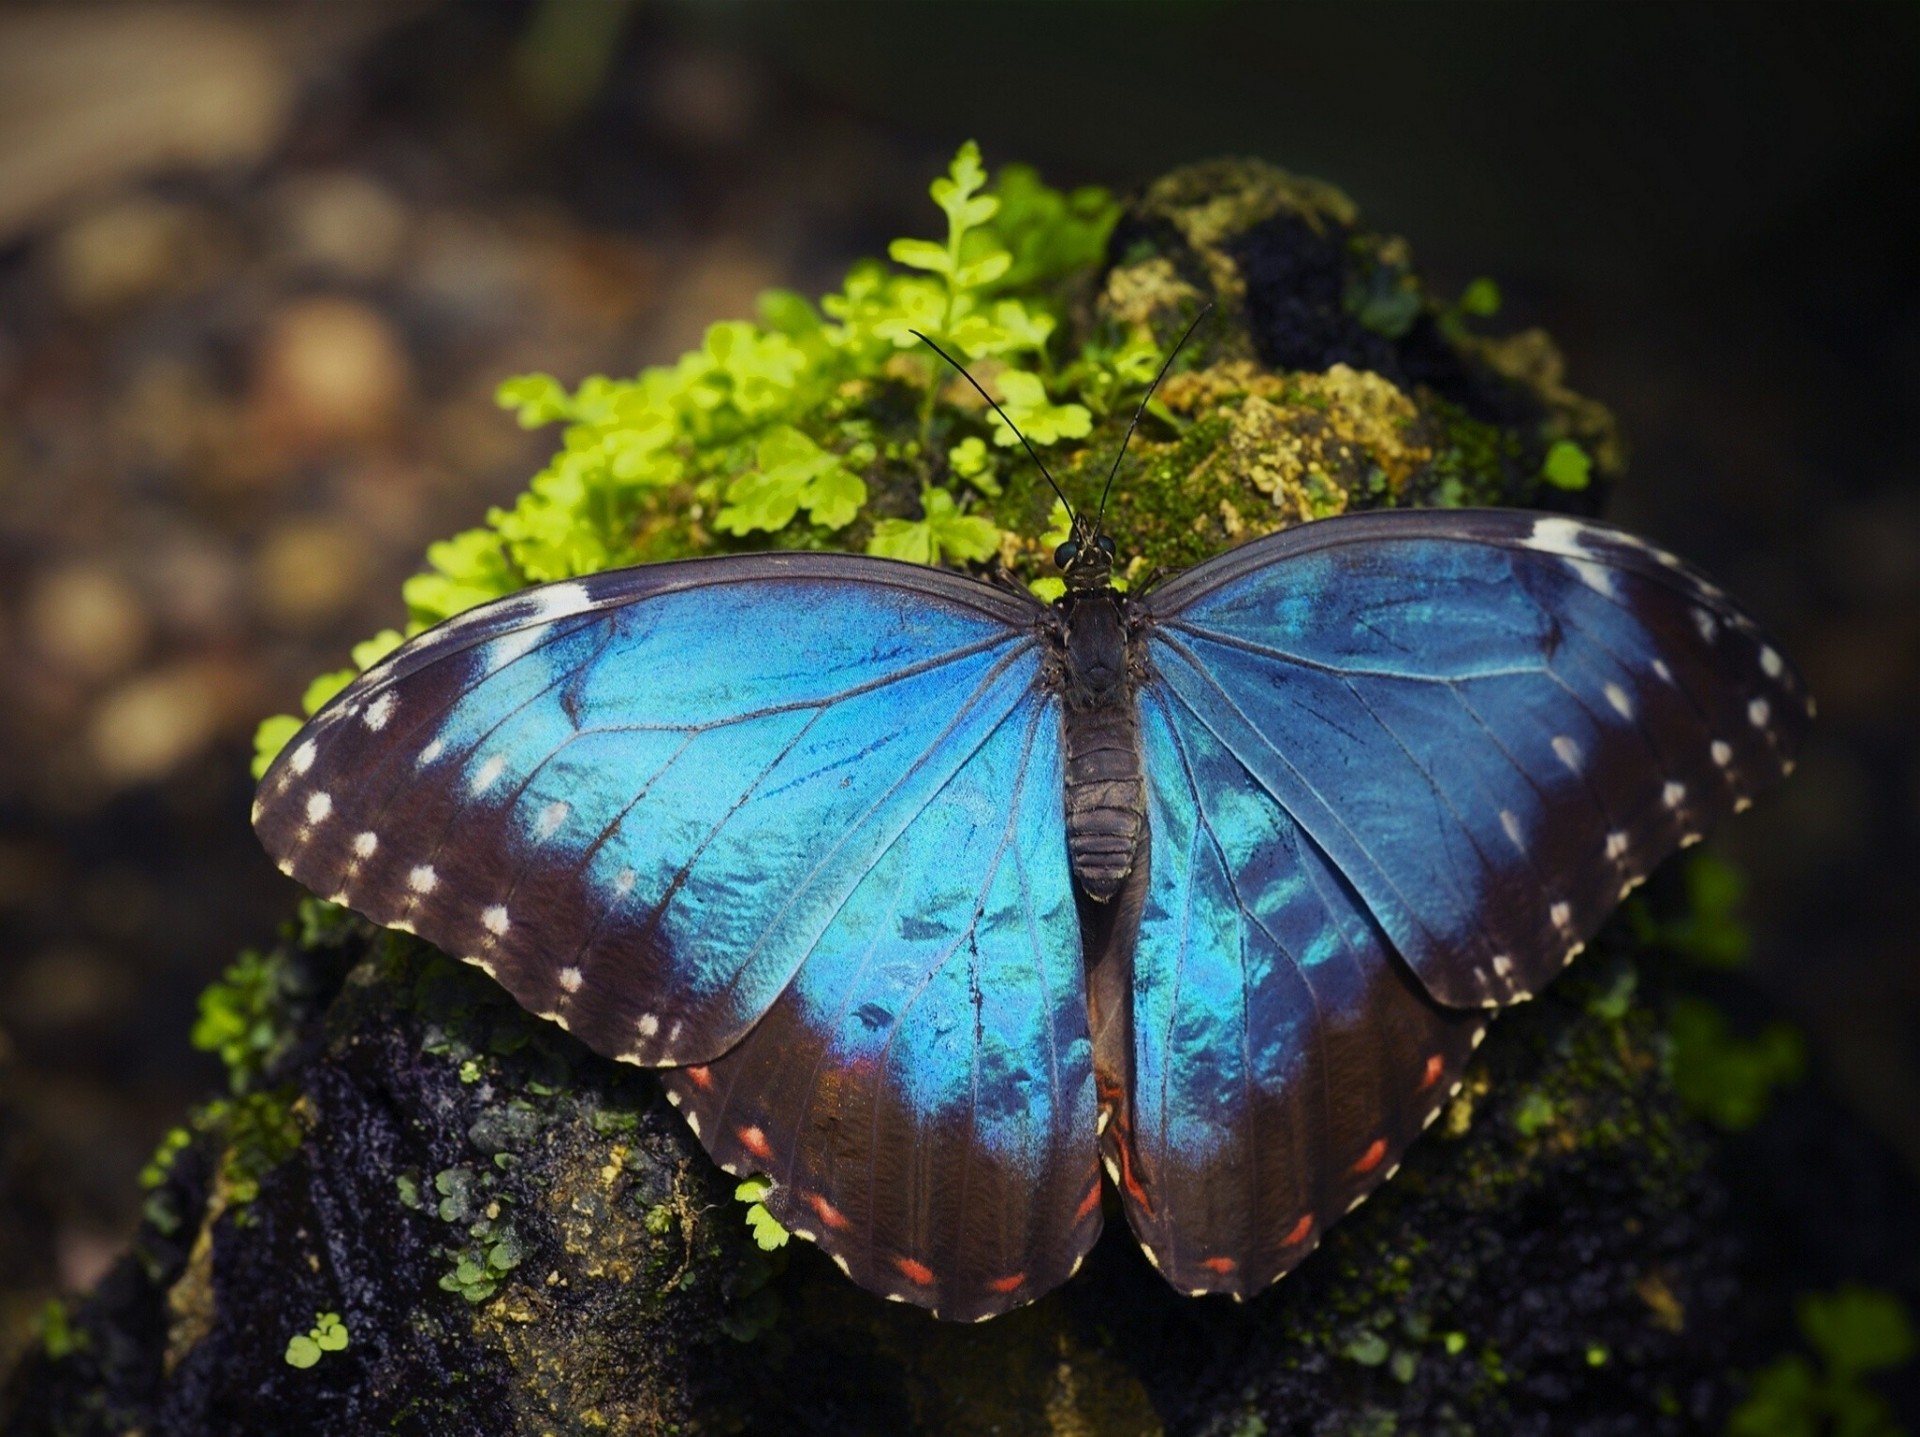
(787,824)
(1492,723)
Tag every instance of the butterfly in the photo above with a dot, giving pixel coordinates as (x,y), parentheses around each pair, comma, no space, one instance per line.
(929,898)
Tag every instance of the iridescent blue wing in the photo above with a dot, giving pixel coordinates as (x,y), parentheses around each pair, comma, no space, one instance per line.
(1271,1057)
(789,824)
(1492,723)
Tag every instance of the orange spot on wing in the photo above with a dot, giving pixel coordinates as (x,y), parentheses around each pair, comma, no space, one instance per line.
(1008,1283)
(700,1077)
(1298,1233)
(829,1214)
(1221,1265)
(1370,1159)
(1435,1066)
(917,1273)
(1088,1203)
(755,1142)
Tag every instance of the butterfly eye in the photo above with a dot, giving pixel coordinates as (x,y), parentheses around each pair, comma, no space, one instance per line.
(1066,553)
(1104,545)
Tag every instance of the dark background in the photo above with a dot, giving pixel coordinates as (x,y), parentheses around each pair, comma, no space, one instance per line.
(261,267)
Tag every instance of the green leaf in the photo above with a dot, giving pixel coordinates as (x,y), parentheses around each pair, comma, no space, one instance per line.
(1369,1349)
(1858,1329)
(1024,397)
(1481,298)
(302,1351)
(793,473)
(268,739)
(538,398)
(943,533)
(324,687)
(982,271)
(766,1228)
(1784,1401)
(1567,466)
(328,1333)
(369,652)
(958,191)
(921,254)
(1728,1079)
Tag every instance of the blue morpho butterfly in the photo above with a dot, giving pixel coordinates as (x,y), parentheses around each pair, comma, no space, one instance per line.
(927,896)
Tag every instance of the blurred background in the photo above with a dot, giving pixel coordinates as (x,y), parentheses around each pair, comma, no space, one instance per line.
(261,268)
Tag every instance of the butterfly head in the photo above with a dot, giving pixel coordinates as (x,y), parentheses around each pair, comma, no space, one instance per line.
(1086,558)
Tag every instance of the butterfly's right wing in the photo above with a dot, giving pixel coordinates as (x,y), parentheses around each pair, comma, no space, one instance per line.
(1269,1058)
(818,794)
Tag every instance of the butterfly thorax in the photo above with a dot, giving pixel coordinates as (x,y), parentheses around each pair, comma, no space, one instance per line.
(1106,789)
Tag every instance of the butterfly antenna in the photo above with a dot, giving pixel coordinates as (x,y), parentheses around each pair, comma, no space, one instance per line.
(1100,514)
(1038,461)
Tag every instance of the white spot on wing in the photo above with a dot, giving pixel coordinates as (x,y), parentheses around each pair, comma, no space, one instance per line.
(1510,821)
(648,1025)
(623,882)
(303,757)
(489,771)
(558,601)
(1706,624)
(495,920)
(1672,794)
(1597,577)
(431,752)
(1758,712)
(1616,844)
(1502,964)
(1622,705)
(1555,535)
(570,979)
(1722,753)
(551,817)
(1561,915)
(379,711)
(423,879)
(1770,661)
(1567,751)
(364,844)
(1665,673)
(319,805)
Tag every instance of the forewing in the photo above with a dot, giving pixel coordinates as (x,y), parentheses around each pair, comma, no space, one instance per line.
(640,800)
(1493,723)
(1281,1057)
(922,1093)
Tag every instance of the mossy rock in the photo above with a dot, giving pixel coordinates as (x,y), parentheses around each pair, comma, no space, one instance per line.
(521,1237)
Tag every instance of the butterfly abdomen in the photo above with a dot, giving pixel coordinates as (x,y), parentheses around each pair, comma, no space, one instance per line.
(1106,788)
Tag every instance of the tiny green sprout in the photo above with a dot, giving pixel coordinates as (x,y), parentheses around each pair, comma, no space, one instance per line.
(766,1228)
(58,1336)
(944,532)
(1567,466)
(1404,1366)
(1369,1349)
(1597,1354)
(1455,1343)
(1533,1113)
(1481,298)
(328,1334)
